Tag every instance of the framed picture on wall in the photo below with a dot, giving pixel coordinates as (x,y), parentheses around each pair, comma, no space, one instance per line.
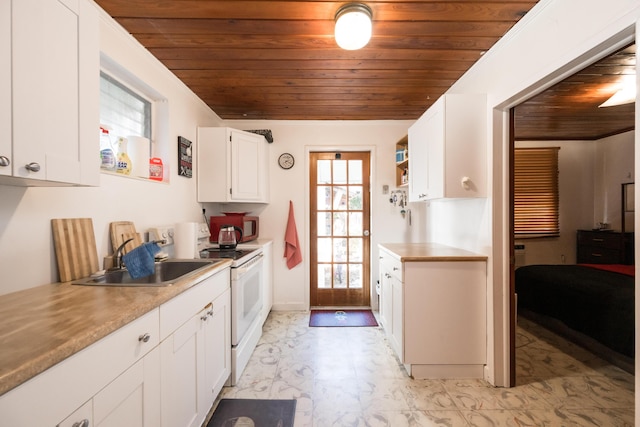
(185,157)
(629,197)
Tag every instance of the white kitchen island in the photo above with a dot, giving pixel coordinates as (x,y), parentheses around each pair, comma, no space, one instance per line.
(433,303)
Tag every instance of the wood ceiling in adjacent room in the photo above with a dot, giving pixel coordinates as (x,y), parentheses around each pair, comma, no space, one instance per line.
(569,110)
(278,60)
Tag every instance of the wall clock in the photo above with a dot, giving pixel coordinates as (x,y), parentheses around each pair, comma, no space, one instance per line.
(286,161)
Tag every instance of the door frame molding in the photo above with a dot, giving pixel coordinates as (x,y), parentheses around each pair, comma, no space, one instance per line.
(502,346)
(372,150)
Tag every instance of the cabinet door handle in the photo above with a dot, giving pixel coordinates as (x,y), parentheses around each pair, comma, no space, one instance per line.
(32,167)
(4,161)
(210,313)
(83,423)
(422,196)
(144,337)
(204,317)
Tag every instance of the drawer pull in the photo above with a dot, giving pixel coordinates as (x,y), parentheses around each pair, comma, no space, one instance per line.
(144,338)
(596,254)
(395,269)
(83,423)
(598,240)
(32,167)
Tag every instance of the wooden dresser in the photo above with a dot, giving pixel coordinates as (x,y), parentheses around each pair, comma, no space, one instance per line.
(604,247)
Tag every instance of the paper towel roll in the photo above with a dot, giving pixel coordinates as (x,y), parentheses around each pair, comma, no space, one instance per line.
(138,151)
(185,239)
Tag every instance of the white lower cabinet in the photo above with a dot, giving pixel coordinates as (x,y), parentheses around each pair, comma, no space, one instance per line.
(196,357)
(397,317)
(434,315)
(391,301)
(182,362)
(165,368)
(64,394)
(81,417)
(132,399)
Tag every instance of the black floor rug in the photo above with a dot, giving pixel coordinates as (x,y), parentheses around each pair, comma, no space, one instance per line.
(254,413)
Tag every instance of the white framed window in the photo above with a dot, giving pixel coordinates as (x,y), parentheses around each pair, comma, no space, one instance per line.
(130,107)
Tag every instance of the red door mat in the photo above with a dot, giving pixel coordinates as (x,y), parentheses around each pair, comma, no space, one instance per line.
(342,318)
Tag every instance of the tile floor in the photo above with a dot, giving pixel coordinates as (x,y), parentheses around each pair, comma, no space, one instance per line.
(350,377)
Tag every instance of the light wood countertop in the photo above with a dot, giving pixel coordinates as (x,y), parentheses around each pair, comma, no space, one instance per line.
(44,325)
(421,252)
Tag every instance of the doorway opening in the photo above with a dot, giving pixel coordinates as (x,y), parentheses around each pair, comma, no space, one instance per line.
(339,229)
(550,118)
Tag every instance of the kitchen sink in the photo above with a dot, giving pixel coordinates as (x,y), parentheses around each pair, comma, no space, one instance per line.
(166,273)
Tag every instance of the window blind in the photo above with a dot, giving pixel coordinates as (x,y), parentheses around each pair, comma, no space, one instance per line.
(536,195)
(123,110)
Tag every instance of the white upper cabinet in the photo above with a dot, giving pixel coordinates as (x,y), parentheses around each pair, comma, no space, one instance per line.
(5,88)
(50,75)
(448,146)
(232,166)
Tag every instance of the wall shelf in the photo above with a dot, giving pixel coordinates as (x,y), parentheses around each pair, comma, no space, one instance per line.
(402,166)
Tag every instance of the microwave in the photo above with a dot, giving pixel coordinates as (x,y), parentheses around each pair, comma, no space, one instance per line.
(248,224)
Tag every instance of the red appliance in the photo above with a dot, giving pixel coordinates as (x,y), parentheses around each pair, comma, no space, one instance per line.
(248,224)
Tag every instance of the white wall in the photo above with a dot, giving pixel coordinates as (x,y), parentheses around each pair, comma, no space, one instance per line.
(291,287)
(615,159)
(26,248)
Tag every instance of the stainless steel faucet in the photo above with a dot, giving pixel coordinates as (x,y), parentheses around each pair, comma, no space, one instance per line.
(118,255)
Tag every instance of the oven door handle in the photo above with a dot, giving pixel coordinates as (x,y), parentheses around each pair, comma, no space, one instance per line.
(244,268)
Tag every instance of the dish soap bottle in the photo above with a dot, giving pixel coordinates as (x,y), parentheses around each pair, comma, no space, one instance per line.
(107,156)
(123,164)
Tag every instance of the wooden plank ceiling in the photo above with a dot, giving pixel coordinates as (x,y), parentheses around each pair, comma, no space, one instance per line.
(569,109)
(278,60)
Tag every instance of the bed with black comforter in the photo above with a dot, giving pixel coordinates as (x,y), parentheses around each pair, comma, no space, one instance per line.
(594,300)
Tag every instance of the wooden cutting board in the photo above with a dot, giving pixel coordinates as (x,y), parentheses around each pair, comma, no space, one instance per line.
(75,247)
(120,232)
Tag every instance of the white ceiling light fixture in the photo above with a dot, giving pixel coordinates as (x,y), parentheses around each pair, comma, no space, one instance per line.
(353,26)
(626,95)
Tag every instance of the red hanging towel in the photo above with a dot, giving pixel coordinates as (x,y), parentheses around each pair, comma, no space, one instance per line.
(292,249)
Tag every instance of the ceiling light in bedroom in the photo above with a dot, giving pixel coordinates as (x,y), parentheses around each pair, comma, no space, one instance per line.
(625,95)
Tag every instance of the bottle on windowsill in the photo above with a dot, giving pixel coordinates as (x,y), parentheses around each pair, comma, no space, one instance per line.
(124,161)
(107,154)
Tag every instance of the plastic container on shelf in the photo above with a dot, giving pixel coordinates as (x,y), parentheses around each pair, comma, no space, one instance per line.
(156,169)
(107,153)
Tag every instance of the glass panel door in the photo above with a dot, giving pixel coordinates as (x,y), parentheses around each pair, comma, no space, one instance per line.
(339,185)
